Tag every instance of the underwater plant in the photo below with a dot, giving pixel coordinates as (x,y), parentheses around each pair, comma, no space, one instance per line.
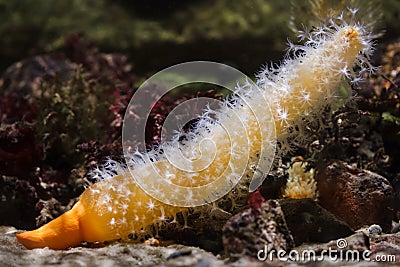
(276,112)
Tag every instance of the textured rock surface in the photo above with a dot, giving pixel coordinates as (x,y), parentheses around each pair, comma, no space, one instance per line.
(358,197)
(359,242)
(386,244)
(117,254)
(252,229)
(128,254)
(25,77)
(309,222)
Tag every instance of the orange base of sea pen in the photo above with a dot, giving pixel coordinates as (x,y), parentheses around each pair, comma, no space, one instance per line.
(72,227)
(67,226)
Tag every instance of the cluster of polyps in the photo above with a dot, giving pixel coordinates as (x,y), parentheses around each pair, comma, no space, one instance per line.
(296,91)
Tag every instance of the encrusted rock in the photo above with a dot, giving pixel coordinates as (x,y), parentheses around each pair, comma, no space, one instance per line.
(386,246)
(261,225)
(346,250)
(358,197)
(309,222)
(375,229)
(25,77)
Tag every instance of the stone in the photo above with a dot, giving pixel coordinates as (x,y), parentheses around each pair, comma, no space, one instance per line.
(132,254)
(261,225)
(375,229)
(358,241)
(309,222)
(386,246)
(341,252)
(358,197)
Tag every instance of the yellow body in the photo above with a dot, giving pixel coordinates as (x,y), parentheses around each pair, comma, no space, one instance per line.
(117,206)
(85,223)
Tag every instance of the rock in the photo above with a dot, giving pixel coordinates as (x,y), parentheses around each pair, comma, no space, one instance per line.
(358,197)
(386,246)
(274,183)
(358,241)
(309,222)
(350,251)
(251,230)
(131,254)
(24,77)
(204,232)
(395,227)
(375,229)
(396,187)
